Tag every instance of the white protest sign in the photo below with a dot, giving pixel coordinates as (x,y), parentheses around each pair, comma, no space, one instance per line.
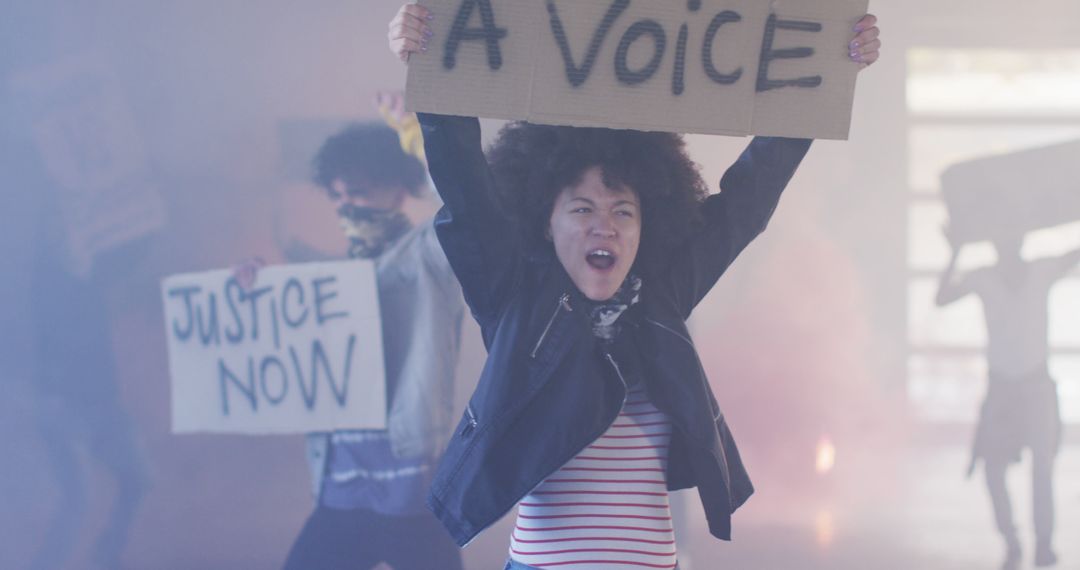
(1012,194)
(90,144)
(732,67)
(299,351)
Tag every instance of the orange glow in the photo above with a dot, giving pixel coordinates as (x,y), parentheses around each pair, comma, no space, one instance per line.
(825,528)
(826,456)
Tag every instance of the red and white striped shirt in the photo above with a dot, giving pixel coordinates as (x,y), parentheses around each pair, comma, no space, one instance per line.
(608,507)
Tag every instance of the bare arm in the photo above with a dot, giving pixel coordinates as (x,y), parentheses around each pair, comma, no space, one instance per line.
(950,289)
(1068,262)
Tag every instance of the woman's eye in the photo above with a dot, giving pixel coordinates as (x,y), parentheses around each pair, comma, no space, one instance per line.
(581,210)
(625,213)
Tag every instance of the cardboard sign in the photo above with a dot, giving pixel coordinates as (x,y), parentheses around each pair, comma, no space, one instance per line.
(1013,194)
(299,351)
(89,141)
(731,67)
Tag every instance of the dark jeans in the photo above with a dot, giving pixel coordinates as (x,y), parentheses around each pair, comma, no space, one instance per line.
(357,539)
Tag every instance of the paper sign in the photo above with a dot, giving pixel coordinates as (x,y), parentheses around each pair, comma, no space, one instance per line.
(1012,194)
(733,67)
(91,146)
(299,351)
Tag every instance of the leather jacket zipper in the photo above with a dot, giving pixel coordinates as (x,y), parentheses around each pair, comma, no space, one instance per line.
(564,303)
(618,372)
(471,425)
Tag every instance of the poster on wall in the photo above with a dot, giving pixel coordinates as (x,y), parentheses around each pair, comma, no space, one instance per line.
(89,142)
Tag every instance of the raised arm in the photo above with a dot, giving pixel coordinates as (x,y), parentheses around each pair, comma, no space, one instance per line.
(951,289)
(476,236)
(749,192)
(1068,262)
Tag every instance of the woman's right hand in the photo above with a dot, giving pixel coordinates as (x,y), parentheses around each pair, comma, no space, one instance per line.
(409,32)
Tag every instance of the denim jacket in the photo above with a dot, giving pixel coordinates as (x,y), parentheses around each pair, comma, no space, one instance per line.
(421,308)
(549,388)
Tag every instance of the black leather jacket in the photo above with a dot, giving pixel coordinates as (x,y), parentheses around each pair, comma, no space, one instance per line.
(549,388)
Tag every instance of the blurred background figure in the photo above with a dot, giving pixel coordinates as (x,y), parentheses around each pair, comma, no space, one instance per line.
(90,212)
(1021,405)
(81,418)
(371,485)
(1002,198)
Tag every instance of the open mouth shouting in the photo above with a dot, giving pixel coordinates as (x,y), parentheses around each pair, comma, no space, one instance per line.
(596,231)
(600,259)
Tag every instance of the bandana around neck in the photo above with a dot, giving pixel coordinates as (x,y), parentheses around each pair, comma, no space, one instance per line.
(605,314)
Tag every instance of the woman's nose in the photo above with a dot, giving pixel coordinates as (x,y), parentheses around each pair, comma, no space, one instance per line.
(603,227)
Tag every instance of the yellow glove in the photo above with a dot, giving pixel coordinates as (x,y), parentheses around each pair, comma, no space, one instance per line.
(392,108)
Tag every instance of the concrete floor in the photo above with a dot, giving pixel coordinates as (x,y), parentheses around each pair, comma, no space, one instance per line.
(940,521)
(935,520)
(910,510)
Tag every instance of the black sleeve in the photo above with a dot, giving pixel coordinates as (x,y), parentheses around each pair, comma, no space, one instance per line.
(749,193)
(475,234)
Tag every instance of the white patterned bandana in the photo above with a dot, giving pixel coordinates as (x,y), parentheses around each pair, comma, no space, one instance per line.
(605,314)
(371,230)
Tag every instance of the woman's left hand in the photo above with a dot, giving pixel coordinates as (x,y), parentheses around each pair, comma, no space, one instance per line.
(865,47)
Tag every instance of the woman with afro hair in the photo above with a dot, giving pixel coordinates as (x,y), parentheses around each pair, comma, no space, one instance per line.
(581,253)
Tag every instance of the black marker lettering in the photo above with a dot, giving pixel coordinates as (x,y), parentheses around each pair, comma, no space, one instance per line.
(308,393)
(274,322)
(293,285)
(226,377)
(283,379)
(628,76)
(318,355)
(231,288)
(253,297)
(678,84)
(574,74)
(184,333)
(208,332)
(320,298)
(707,49)
(768,54)
(488,33)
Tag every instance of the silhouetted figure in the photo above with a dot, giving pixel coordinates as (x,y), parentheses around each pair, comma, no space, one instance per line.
(1021,405)
(80,409)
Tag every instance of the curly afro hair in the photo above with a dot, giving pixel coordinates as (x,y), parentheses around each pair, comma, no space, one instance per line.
(532,164)
(364,155)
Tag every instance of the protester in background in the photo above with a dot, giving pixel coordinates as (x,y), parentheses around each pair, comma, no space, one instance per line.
(1021,405)
(370,484)
(80,411)
(581,253)
(60,348)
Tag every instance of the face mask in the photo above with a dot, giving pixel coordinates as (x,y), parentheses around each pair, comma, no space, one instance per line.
(371,230)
